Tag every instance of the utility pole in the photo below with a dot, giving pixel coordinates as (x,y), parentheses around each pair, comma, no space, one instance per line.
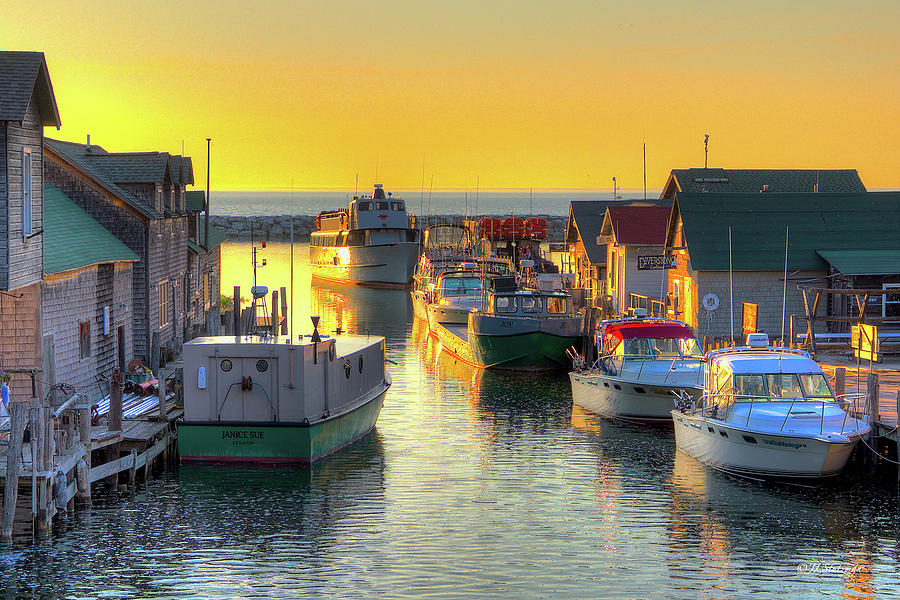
(206,224)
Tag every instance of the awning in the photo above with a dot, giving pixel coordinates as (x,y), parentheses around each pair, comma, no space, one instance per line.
(863,262)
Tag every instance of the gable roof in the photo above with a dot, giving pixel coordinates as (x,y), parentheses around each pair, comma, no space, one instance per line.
(23,76)
(133,167)
(717,180)
(75,155)
(193,200)
(73,239)
(636,225)
(815,222)
(187,170)
(586,221)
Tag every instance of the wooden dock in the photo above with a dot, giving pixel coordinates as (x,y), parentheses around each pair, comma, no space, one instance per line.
(65,456)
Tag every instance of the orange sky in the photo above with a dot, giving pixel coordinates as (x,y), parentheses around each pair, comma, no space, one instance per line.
(518,94)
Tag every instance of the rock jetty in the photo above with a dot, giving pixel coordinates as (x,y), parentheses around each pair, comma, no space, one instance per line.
(278,227)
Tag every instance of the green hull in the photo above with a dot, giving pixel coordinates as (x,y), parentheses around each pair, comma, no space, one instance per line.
(275,443)
(527,351)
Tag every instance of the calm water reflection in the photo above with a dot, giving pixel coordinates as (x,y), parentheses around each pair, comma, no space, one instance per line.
(474,485)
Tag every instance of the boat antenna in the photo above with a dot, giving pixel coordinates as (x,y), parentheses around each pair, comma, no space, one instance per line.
(531,201)
(291,324)
(705,150)
(645,171)
(356,186)
(430,187)
(784,291)
(731,283)
(376,168)
(467,206)
(422,198)
(477,181)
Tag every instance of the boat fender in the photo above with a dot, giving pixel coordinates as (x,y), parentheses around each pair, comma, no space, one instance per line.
(347,368)
(95,415)
(247,384)
(331,353)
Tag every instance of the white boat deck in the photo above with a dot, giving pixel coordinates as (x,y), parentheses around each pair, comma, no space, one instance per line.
(345,343)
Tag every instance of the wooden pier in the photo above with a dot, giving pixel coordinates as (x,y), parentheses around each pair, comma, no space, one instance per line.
(67,453)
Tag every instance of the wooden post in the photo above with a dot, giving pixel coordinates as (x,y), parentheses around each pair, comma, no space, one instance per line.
(154,352)
(115,400)
(284,311)
(237,310)
(229,322)
(872,393)
(40,465)
(840,378)
(161,391)
(247,317)
(83,481)
(18,413)
(274,323)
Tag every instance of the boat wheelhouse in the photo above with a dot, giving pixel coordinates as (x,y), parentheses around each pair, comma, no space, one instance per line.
(274,400)
(369,243)
(767,412)
(642,362)
(455,293)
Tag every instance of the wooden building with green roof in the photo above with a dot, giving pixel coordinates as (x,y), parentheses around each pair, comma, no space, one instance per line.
(86,299)
(824,231)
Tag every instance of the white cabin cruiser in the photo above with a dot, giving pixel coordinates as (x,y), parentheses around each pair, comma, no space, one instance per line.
(769,413)
(642,362)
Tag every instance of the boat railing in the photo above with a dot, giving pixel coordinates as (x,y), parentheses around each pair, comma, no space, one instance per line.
(614,364)
(710,404)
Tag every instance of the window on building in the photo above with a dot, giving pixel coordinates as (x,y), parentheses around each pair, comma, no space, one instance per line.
(163,303)
(159,206)
(26,191)
(84,339)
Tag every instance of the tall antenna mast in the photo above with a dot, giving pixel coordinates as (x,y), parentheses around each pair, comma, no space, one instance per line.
(531,201)
(731,283)
(706,151)
(477,181)
(784,291)
(614,188)
(645,170)
(422,199)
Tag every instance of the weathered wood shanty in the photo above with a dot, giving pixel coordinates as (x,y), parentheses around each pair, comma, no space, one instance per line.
(86,295)
(816,225)
(27,105)
(204,268)
(634,238)
(138,199)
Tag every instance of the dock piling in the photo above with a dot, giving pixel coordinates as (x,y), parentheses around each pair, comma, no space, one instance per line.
(18,413)
(284,311)
(237,310)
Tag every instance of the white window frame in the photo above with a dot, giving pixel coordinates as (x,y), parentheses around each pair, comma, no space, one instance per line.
(885,301)
(163,303)
(27,191)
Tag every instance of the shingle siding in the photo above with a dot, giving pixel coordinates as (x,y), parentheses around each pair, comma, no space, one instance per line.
(20,339)
(4,211)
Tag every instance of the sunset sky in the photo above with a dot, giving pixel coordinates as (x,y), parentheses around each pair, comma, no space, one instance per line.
(529,93)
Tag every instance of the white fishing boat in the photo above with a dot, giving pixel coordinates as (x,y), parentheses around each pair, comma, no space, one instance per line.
(444,247)
(767,413)
(370,243)
(642,362)
(455,294)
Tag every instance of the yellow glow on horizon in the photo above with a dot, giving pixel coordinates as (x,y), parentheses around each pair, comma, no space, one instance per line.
(514,94)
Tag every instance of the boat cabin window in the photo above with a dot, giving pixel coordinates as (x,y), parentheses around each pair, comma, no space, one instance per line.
(363,206)
(784,385)
(381,206)
(531,304)
(749,386)
(505,304)
(815,386)
(397,206)
(459,286)
(556,305)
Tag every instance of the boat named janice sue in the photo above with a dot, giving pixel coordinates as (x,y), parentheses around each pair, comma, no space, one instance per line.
(370,243)
(270,399)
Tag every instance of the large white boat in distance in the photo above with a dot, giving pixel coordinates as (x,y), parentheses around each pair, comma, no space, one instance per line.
(370,243)
(767,413)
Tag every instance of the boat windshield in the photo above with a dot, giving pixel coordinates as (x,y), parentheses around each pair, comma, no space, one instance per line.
(460,286)
(660,348)
(780,386)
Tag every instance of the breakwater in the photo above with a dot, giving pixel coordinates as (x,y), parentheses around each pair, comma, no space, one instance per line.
(278,227)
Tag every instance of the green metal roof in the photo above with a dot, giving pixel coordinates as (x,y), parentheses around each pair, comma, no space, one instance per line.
(73,239)
(863,262)
(736,181)
(193,200)
(817,221)
(216,237)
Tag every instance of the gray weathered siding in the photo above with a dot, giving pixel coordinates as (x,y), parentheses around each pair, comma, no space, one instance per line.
(4,212)
(26,257)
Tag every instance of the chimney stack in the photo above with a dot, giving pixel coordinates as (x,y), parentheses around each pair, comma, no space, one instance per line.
(87,147)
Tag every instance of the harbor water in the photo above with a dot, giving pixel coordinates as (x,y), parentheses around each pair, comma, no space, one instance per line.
(473,485)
